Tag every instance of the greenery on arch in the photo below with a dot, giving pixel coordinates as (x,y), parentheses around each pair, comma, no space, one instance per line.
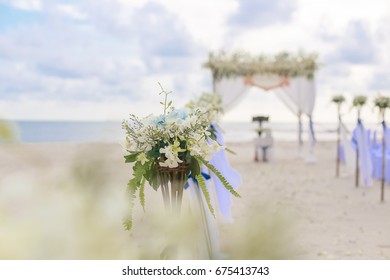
(224,65)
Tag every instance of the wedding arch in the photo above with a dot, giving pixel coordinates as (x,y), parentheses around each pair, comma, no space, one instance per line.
(289,76)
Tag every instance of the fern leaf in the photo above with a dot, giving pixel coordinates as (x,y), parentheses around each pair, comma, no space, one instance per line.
(230,151)
(142,194)
(135,184)
(128,223)
(131,157)
(131,190)
(203,187)
(225,183)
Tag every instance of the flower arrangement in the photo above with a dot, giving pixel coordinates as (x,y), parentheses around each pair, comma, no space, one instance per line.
(338,99)
(176,139)
(243,64)
(382,102)
(359,101)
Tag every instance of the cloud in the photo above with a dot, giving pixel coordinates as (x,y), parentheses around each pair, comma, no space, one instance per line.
(260,13)
(355,46)
(71,11)
(112,52)
(161,33)
(380,81)
(32,5)
(109,55)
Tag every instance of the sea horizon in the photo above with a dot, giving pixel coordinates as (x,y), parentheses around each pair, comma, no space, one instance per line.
(39,131)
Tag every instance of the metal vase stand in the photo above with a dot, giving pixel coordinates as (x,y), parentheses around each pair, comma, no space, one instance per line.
(172,181)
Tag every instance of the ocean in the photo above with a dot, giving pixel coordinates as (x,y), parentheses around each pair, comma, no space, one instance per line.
(88,131)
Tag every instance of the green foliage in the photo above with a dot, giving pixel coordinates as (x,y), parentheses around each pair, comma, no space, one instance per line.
(151,176)
(7,131)
(142,194)
(230,151)
(167,104)
(128,223)
(131,190)
(135,184)
(194,167)
(131,157)
(203,187)
(225,183)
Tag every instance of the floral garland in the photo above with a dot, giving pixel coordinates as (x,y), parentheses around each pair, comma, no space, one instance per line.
(243,64)
(176,137)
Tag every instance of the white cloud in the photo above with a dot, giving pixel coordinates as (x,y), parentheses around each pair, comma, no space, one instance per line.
(356,46)
(33,5)
(205,21)
(71,12)
(260,13)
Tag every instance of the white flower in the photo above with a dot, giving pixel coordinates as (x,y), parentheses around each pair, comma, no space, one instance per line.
(171,153)
(142,158)
(190,121)
(170,163)
(129,145)
(204,149)
(146,147)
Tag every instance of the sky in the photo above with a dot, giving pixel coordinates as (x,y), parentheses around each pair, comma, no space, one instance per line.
(103,59)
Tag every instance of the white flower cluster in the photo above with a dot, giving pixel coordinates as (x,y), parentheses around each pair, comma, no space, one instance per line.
(171,138)
(211,103)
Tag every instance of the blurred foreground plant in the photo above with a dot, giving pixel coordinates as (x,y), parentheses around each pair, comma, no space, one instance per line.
(7,131)
(260,235)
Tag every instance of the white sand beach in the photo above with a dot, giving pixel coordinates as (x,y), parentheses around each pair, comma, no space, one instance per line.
(67,201)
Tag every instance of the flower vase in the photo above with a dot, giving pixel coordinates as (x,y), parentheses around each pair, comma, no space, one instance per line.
(172,181)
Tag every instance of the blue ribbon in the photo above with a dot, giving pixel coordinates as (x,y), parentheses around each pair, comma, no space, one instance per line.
(205,176)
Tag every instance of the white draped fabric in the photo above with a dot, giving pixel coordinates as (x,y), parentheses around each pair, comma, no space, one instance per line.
(219,160)
(350,154)
(361,141)
(210,241)
(298,94)
(361,137)
(232,91)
